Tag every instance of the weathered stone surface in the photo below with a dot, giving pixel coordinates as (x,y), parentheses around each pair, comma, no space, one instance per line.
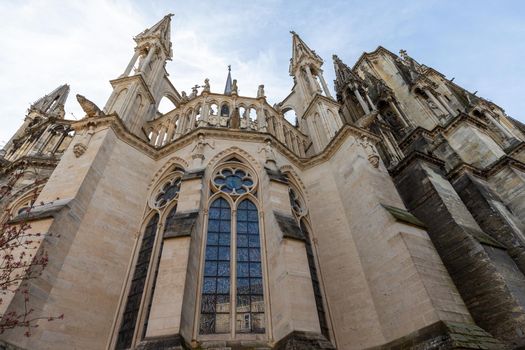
(460,243)
(444,336)
(303,341)
(390,217)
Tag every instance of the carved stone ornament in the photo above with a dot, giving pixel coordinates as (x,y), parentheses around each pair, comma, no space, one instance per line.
(374,160)
(206,85)
(370,150)
(79,149)
(91,109)
(260,91)
(269,155)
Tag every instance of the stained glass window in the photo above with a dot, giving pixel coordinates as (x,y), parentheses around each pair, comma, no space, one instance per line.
(299,210)
(315,283)
(233,181)
(168,192)
(250,300)
(129,318)
(169,222)
(215,303)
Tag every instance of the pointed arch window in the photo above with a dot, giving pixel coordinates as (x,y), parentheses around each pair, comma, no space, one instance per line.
(215,303)
(232,292)
(250,299)
(129,319)
(300,212)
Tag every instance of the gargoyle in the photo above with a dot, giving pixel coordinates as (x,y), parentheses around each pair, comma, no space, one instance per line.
(91,109)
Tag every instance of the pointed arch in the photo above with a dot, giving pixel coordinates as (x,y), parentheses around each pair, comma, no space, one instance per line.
(234,151)
(249,301)
(173,161)
(129,322)
(215,311)
(294,178)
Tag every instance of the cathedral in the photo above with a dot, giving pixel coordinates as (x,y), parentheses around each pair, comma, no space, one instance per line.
(388,216)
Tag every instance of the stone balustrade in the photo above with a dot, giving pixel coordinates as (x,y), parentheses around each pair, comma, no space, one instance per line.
(219,111)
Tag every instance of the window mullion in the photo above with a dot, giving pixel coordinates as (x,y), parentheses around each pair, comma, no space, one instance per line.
(233,272)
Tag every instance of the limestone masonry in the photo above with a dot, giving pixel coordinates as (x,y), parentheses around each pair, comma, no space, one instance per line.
(389,216)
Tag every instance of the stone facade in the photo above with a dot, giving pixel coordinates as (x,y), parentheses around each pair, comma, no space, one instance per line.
(389,217)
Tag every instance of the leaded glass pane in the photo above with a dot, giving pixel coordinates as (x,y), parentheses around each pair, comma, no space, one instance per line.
(250,301)
(215,302)
(127,328)
(315,282)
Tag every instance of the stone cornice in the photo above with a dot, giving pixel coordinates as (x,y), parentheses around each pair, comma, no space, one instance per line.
(113,121)
(373,54)
(42,162)
(416,155)
(487,172)
(451,125)
(336,142)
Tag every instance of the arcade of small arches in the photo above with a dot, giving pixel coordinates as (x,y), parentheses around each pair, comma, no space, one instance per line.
(223,111)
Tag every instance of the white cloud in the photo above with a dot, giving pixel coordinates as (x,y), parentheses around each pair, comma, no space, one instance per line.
(87,43)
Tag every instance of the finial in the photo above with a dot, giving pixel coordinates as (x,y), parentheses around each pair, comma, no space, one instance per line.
(229,68)
(293,32)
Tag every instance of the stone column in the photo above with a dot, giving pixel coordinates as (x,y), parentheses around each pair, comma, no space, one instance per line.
(146,61)
(261,120)
(370,101)
(311,78)
(205,111)
(362,102)
(131,64)
(325,87)
(153,139)
(445,104)
(396,110)
(435,100)
(57,143)
(498,125)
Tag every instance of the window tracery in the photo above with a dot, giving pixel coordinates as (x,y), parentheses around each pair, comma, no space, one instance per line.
(233,180)
(300,212)
(232,284)
(140,295)
(167,191)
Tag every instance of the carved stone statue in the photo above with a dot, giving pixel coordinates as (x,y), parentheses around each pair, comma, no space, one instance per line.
(268,153)
(184,97)
(206,87)
(198,151)
(194,91)
(432,105)
(260,91)
(91,109)
(371,152)
(201,145)
(235,89)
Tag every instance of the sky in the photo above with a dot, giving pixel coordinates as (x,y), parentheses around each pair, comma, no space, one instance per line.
(46,43)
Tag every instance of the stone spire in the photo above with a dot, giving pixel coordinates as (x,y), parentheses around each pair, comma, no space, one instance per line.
(228,87)
(52,104)
(144,81)
(344,75)
(302,54)
(159,33)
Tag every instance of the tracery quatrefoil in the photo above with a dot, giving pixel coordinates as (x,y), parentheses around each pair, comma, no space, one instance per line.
(168,192)
(234,181)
